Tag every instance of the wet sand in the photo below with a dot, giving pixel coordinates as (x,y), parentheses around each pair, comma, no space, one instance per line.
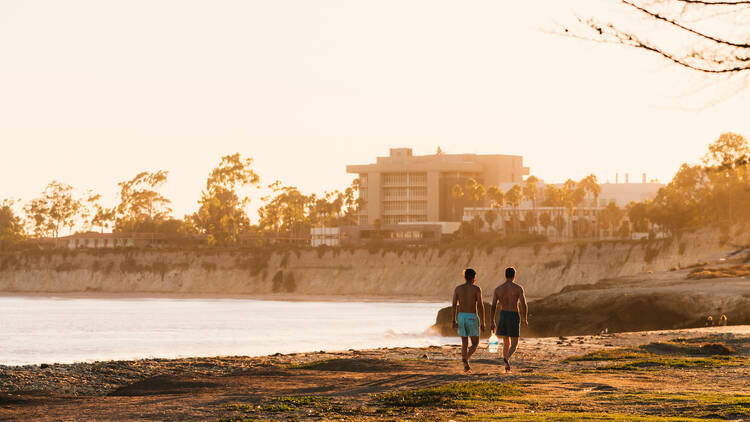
(428,383)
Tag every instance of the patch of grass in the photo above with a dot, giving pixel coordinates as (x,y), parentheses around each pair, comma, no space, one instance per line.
(693,403)
(310,365)
(660,363)
(714,338)
(684,348)
(587,416)
(448,395)
(283,404)
(678,347)
(609,354)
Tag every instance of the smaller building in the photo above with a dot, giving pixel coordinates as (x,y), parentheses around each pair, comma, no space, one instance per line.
(408,234)
(624,193)
(93,240)
(325,236)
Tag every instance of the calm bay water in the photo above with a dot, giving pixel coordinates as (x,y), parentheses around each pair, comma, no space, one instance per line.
(47,330)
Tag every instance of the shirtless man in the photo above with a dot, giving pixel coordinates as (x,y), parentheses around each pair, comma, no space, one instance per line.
(509,294)
(467,299)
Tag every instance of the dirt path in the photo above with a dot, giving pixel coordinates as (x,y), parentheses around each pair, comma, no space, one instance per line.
(665,378)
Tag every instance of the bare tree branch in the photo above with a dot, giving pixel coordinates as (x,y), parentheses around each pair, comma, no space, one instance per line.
(716,3)
(679,25)
(701,50)
(625,38)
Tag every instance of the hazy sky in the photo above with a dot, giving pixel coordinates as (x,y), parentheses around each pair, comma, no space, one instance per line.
(92,92)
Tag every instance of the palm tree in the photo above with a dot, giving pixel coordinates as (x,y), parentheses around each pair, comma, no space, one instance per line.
(531,190)
(545,220)
(572,196)
(514,197)
(475,191)
(590,185)
(457,193)
(496,196)
(490,217)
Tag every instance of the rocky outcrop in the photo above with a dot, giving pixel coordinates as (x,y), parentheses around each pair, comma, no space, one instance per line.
(424,273)
(650,301)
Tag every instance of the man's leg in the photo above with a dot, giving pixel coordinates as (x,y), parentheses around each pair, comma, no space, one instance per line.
(513,346)
(473,348)
(464,353)
(506,350)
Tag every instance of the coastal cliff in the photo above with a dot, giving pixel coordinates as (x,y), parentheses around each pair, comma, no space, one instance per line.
(423,273)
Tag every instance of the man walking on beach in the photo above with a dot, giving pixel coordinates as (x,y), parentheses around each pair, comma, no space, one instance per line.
(467,300)
(510,295)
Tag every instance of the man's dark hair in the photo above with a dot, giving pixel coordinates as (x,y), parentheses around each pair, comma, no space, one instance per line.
(510,272)
(469,274)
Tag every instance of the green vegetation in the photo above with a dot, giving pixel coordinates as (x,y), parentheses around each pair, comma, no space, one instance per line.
(694,403)
(711,194)
(585,416)
(609,354)
(674,348)
(662,362)
(684,348)
(310,365)
(448,395)
(309,406)
(11,226)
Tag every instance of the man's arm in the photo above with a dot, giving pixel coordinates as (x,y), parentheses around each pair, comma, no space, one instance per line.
(524,309)
(455,307)
(480,308)
(492,310)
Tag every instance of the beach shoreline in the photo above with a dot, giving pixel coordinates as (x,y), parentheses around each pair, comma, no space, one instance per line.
(280,297)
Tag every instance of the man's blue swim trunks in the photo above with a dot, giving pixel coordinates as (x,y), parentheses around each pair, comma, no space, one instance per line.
(468,324)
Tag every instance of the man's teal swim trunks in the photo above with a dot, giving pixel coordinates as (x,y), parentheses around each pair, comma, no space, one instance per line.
(468,324)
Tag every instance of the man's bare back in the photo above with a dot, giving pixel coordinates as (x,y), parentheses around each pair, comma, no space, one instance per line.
(508,295)
(469,297)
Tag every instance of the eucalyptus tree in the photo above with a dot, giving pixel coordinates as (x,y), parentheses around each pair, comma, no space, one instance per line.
(141,206)
(54,211)
(221,215)
(11,225)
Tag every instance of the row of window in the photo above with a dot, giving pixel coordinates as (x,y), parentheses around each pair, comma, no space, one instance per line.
(404,179)
(402,194)
(395,219)
(405,207)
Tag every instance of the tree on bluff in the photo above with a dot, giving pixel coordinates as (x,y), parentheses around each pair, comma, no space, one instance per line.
(11,226)
(54,211)
(221,214)
(715,193)
(141,207)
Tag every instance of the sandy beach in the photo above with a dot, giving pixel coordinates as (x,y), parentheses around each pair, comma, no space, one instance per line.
(702,373)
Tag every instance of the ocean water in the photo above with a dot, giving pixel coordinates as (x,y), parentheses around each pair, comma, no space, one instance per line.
(37,330)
